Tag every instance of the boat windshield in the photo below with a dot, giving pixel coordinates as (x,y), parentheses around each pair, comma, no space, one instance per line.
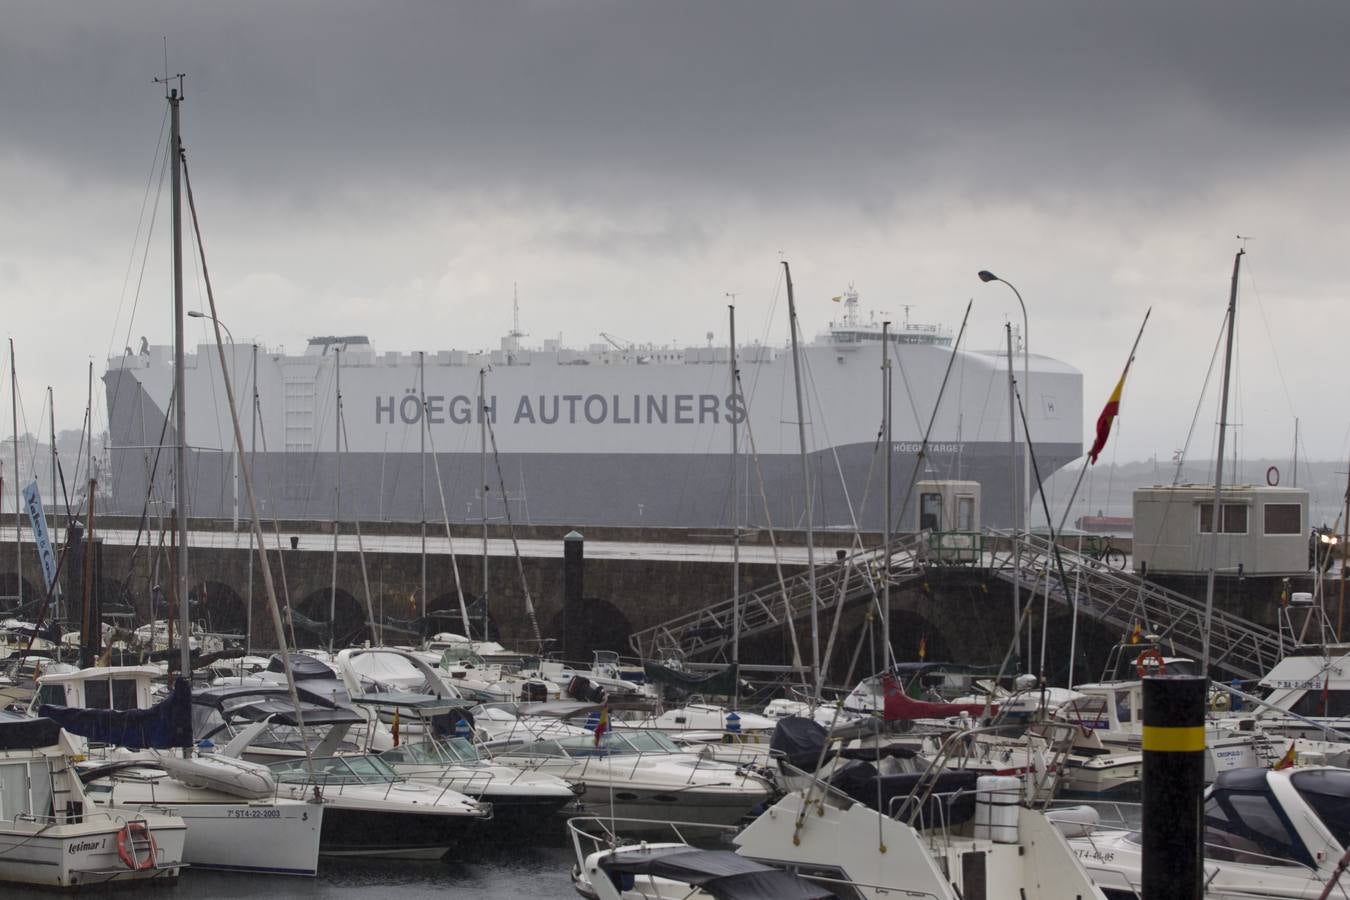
(1326,791)
(451,752)
(619,744)
(1249,827)
(336,770)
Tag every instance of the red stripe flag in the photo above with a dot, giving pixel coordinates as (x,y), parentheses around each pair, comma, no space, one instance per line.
(1108,416)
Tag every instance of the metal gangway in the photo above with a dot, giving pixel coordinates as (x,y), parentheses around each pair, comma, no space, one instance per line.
(707,632)
(1122,599)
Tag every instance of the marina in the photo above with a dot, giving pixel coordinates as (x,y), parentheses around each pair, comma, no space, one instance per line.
(841,608)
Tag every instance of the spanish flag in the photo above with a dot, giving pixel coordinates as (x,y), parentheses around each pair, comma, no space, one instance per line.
(923,647)
(1109,412)
(1287,761)
(602,725)
(1136,634)
(395,728)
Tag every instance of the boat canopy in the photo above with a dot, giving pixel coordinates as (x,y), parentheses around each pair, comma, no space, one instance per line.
(720,873)
(23,733)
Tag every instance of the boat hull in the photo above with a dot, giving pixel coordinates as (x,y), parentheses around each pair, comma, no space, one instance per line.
(78,856)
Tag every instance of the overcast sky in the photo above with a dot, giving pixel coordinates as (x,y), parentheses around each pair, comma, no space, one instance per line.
(393,168)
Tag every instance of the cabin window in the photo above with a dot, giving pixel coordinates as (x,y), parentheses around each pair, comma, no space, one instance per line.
(965,513)
(96,694)
(1234,518)
(124,693)
(930,512)
(1284,518)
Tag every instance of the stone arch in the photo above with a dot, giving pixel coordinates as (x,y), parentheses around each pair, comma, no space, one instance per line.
(602,624)
(443,615)
(349,625)
(221,608)
(9,592)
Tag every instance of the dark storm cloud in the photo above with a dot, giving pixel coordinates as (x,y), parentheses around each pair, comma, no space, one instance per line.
(584,98)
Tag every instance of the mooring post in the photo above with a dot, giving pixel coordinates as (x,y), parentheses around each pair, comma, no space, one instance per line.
(1174,784)
(574,566)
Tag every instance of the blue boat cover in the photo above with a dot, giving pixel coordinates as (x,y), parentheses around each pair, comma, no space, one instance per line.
(165,725)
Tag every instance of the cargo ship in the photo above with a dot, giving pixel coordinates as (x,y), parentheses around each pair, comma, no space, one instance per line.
(614,434)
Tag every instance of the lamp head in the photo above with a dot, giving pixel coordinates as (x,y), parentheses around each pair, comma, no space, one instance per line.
(198,314)
(986,276)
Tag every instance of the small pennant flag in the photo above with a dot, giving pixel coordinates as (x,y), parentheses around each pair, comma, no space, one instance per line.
(923,647)
(395,728)
(836,299)
(602,725)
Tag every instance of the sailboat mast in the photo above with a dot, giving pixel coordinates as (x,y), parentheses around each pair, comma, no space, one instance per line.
(886,654)
(806,480)
(1012,481)
(179,386)
(1216,512)
(422,482)
(337,491)
(51,434)
(735,521)
(482,480)
(252,451)
(18,490)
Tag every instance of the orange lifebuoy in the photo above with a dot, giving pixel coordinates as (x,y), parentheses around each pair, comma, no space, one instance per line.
(126,845)
(1153,655)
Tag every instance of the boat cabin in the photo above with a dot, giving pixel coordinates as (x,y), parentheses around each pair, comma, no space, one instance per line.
(100,687)
(1261,530)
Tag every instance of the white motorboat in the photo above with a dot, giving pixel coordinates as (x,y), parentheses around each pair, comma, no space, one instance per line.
(235,820)
(51,833)
(371,810)
(965,843)
(522,800)
(644,775)
(610,866)
(1268,834)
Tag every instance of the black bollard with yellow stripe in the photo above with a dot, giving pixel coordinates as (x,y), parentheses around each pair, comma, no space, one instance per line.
(1174,786)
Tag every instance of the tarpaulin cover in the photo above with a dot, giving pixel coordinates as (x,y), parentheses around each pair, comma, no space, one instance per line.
(721,682)
(951,802)
(899,705)
(799,741)
(720,873)
(165,725)
(19,733)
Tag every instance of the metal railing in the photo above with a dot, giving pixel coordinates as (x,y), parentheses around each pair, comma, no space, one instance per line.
(1122,599)
(707,632)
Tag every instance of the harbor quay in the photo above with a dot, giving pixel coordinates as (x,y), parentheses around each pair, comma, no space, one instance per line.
(634,579)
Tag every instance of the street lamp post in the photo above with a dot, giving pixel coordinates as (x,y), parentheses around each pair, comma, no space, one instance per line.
(987,276)
(198,314)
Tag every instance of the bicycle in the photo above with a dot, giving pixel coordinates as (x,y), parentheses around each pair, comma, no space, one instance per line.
(1102,549)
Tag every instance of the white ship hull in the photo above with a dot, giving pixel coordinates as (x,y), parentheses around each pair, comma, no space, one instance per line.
(611,441)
